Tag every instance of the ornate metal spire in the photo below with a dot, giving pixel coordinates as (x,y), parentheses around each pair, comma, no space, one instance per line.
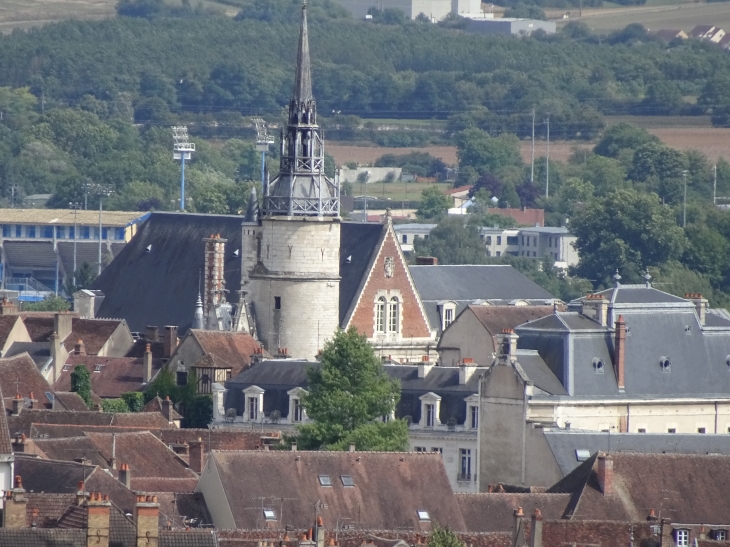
(301,187)
(303,85)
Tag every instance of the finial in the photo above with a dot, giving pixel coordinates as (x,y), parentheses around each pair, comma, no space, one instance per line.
(617,278)
(647,279)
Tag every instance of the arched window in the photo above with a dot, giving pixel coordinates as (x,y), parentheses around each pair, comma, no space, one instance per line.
(380,315)
(393,315)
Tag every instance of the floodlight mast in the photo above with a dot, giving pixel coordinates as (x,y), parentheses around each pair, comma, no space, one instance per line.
(263,141)
(182,150)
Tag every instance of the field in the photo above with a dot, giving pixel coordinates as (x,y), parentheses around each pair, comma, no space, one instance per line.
(29,13)
(397,191)
(669,15)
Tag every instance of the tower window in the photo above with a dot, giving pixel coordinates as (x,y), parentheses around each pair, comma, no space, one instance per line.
(277,302)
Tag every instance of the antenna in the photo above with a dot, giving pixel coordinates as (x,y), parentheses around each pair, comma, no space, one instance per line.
(532,162)
(547,159)
(182,150)
(263,140)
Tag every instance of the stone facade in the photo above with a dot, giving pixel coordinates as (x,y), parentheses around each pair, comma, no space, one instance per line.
(297,270)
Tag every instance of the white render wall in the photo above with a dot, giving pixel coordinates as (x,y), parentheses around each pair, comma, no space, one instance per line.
(303,245)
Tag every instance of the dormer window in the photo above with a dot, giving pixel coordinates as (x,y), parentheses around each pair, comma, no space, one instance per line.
(430,409)
(681,537)
(472,412)
(254,397)
(448,314)
(297,414)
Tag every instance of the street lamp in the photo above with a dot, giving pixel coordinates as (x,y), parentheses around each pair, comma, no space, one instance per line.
(684,201)
(75,205)
(101,190)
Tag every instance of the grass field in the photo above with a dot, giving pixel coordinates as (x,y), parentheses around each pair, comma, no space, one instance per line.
(397,191)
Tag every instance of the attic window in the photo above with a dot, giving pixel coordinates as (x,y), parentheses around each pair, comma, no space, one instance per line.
(324,480)
(598,365)
(269,514)
(98,368)
(582,454)
(423,516)
(688,329)
(666,364)
(65,367)
(347,481)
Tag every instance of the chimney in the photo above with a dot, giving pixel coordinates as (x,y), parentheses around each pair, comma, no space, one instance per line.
(59,354)
(293,447)
(507,345)
(427,261)
(196,457)
(19,443)
(257,356)
(98,509)
(18,404)
(8,307)
(166,407)
(170,341)
(536,532)
(282,353)
(80,494)
(424,367)
(620,352)
(595,307)
(701,305)
(125,475)
(213,282)
(605,474)
(466,370)
(32,401)
(352,447)
(63,324)
(147,364)
(80,348)
(319,533)
(15,506)
(518,530)
(151,334)
(146,515)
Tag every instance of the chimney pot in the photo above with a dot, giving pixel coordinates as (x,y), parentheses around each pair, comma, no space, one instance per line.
(605,474)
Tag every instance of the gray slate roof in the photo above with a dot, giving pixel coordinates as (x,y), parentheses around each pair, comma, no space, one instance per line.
(563,444)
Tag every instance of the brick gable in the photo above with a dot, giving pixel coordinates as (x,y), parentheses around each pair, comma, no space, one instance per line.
(413,317)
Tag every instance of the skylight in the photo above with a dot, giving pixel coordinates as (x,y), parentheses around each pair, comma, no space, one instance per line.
(423,515)
(98,368)
(269,514)
(582,454)
(347,480)
(324,480)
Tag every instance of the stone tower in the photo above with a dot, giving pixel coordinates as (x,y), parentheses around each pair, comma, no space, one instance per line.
(294,284)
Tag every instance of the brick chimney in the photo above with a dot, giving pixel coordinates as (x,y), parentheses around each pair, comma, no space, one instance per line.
(213,282)
(63,324)
(80,348)
(170,341)
(424,367)
(125,475)
(319,532)
(466,370)
(7,307)
(701,305)
(98,509)
(620,352)
(151,334)
(518,529)
(427,261)
(147,364)
(196,456)
(19,443)
(18,404)
(506,345)
(605,474)
(595,306)
(80,493)
(15,506)
(146,515)
(166,407)
(536,532)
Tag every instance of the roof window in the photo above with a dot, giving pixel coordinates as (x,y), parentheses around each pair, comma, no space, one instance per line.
(98,368)
(324,480)
(269,514)
(598,365)
(423,516)
(666,364)
(347,480)
(582,454)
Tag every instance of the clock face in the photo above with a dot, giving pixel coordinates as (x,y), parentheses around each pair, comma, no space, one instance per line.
(389,266)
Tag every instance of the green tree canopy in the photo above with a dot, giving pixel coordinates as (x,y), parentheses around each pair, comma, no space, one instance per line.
(453,242)
(50,303)
(443,537)
(621,136)
(434,204)
(625,230)
(349,393)
(487,154)
(81,383)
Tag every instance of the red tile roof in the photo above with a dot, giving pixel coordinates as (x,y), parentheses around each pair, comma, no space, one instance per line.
(117,375)
(163,484)
(459,190)
(94,332)
(496,318)
(523,217)
(228,349)
(20,374)
(221,439)
(69,400)
(43,510)
(495,512)
(57,431)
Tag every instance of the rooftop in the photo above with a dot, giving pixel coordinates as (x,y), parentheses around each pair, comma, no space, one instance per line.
(66,217)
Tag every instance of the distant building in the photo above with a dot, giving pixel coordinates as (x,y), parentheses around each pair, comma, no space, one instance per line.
(668,35)
(370,174)
(707,32)
(508,25)
(433,9)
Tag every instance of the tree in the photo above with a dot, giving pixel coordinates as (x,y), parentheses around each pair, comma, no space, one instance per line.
(81,383)
(434,204)
(453,242)
(114,405)
(349,393)
(164,385)
(134,400)
(85,277)
(50,303)
(476,148)
(525,11)
(625,230)
(620,136)
(443,537)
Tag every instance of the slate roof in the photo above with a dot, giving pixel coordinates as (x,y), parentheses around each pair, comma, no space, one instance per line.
(564,444)
(539,373)
(228,349)
(42,537)
(160,287)
(117,375)
(698,486)
(467,284)
(487,512)
(20,374)
(358,246)
(389,488)
(44,510)
(639,294)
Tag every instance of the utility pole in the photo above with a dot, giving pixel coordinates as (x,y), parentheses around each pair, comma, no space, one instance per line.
(714,185)
(547,159)
(102,192)
(532,162)
(182,150)
(75,206)
(684,201)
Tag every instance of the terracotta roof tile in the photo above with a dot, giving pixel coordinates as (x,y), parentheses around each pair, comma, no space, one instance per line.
(55,431)
(94,332)
(6,447)
(20,374)
(69,400)
(496,318)
(42,537)
(220,439)
(228,349)
(181,510)
(116,375)
(495,512)
(163,484)
(146,420)
(43,510)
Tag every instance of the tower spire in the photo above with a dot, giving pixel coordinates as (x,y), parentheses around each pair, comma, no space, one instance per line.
(303,85)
